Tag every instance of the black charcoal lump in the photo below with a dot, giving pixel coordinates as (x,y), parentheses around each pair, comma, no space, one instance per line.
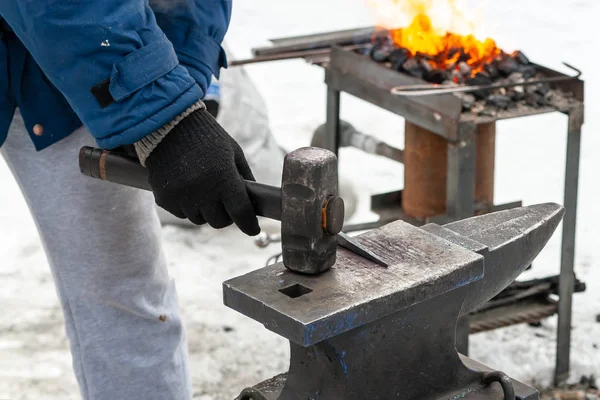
(477,80)
(534,99)
(380,54)
(467,99)
(398,57)
(528,71)
(492,70)
(436,76)
(516,95)
(499,100)
(515,77)
(414,68)
(520,57)
(507,66)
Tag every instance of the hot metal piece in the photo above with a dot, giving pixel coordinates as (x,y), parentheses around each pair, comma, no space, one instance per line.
(264,239)
(359,332)
(348,243)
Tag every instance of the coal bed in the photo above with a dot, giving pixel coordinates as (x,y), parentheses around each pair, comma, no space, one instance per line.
(454,68)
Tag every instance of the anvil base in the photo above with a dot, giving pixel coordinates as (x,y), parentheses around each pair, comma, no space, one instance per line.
(271,389)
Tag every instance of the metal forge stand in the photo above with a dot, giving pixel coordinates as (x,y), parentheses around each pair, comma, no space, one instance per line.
(359,76)
(360,331)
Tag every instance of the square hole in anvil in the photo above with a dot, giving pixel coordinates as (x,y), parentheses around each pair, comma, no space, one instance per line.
(295,290)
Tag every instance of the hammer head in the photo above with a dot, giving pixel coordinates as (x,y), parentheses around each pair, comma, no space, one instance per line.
(309,184)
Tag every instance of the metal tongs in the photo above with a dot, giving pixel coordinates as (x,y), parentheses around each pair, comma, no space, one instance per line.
(435,89)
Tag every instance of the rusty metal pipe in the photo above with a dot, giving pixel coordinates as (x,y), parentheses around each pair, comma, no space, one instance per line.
(351,137)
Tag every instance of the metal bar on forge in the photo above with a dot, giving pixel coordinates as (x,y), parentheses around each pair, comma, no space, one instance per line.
(334,35)
(320,41)
(306,54)
(567,274)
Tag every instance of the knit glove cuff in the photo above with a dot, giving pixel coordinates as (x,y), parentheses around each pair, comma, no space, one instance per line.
(147,144)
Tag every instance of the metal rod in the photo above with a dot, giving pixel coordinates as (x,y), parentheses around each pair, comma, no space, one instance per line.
(293,55)
(332,124)
(321,40)
(428,90)
(323,37)
(350,137)
(567,274)
(368,144)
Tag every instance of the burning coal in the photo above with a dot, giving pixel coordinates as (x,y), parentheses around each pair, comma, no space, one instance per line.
(443,51)
(441,43)
(439,56)
(455,64)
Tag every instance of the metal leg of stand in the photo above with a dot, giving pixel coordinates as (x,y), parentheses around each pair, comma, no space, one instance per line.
(567,274)
(460,184)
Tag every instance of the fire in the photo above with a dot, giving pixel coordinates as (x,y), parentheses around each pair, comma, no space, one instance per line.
(441,29)
(421,37)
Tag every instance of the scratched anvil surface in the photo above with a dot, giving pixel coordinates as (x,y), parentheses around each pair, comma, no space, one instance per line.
(355,291)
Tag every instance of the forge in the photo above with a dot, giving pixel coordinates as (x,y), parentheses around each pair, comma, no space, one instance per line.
(449,152)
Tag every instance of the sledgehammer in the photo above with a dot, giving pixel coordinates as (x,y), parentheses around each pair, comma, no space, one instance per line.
(307,204)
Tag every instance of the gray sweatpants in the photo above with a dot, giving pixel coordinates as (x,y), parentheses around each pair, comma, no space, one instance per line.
(103,245)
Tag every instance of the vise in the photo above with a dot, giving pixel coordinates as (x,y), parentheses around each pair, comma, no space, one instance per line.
(358,332)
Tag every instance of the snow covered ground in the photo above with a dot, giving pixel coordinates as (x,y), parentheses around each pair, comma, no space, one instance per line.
(228,351)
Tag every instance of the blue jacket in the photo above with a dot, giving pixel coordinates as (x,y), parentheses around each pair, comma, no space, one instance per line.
(122,67)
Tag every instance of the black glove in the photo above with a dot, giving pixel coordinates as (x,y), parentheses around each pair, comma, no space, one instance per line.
(197,172)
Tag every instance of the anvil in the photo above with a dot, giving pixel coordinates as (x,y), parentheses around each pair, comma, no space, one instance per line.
(358,332)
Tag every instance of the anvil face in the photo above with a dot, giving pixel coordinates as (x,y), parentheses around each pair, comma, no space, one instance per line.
(490,250)
(355,291)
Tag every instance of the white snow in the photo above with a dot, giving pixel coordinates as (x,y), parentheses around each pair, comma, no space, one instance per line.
(34,358)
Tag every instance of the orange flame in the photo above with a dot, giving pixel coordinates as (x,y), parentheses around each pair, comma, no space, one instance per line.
(443,39)
(420,37)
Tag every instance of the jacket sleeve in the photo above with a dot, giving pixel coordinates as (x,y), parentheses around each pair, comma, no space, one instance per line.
(196,28)
(110,60)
